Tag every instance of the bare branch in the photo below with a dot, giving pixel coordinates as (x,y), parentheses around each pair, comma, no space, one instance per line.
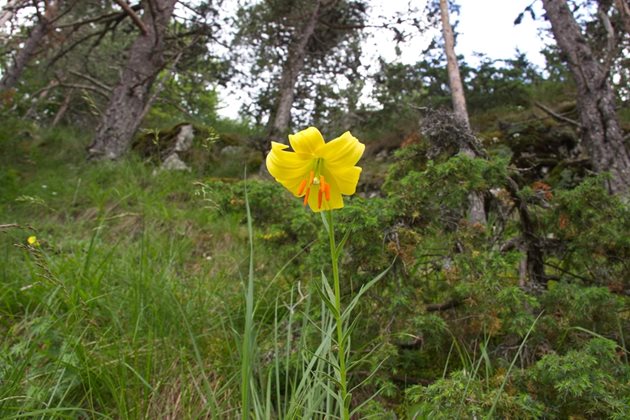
(557,116)
(136,19)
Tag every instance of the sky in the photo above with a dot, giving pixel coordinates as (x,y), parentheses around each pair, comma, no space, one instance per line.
(484,26)
(487,26)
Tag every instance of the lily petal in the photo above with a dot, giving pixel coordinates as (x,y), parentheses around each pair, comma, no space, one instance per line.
(283,164)
(344,151)
(307,141)
(345,179)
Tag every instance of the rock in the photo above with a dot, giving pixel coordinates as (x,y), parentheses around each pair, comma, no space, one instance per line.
(174,163)
(169,148)
(184,138)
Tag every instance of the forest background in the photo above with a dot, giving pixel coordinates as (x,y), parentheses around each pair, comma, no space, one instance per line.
(135,220)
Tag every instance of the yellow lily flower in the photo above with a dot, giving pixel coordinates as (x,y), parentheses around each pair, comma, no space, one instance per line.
(319,172)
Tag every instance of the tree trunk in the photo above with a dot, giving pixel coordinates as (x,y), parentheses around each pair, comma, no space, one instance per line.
(291,71)
(477,212)
(32,44)
(601,132)
(124,112)
(533,263)
(454,78)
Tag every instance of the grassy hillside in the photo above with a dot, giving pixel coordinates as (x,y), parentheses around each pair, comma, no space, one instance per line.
(130,303)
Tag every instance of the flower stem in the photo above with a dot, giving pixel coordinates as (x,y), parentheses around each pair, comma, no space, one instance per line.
(343,384)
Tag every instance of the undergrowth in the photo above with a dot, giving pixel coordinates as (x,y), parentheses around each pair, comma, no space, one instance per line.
(130,304)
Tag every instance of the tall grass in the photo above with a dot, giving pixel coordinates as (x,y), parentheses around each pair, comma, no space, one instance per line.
(120,313)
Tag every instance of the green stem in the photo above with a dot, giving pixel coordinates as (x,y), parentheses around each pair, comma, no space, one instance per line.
(343,385)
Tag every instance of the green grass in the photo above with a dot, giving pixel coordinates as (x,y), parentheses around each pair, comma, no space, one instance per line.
(124,310)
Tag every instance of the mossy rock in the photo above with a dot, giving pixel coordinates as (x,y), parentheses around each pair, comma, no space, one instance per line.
(540,145)
(156,145)
(221,154)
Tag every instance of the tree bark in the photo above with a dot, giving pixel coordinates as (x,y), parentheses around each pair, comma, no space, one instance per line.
(292,68)
(124,112)
(534,262)
(601,132)
(477,212)
(31,46)
(454,77)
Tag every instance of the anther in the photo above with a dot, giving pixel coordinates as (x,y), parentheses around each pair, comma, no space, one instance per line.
(301,187)
(308,191)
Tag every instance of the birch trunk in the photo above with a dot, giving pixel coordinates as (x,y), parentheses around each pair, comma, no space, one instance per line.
(601,132)
(129,98)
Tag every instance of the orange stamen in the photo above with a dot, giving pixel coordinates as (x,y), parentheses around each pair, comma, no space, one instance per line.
(310,178)
(301,187)
(308,191)
(319,198)
(327,191)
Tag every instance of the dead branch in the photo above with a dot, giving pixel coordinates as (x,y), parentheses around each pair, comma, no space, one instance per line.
(136,19)
(9,226)
(557,116)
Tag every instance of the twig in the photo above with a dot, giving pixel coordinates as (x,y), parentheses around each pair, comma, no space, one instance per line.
(9,226)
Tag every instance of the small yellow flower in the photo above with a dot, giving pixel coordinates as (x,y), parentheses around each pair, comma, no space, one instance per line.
(319,172)
(32,241)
